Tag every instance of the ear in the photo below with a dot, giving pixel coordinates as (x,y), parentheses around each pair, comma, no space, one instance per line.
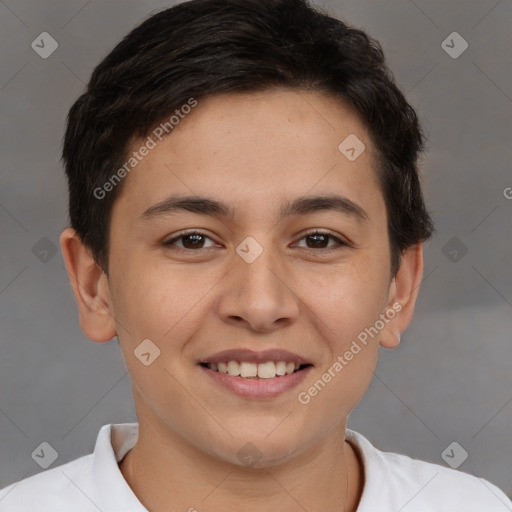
(403,292)
(90,286)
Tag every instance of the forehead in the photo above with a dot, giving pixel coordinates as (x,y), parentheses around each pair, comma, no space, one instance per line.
(258,149)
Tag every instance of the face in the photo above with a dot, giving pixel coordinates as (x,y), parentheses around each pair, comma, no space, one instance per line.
(252,277)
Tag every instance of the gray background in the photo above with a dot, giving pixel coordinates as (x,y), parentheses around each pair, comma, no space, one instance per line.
(450,380)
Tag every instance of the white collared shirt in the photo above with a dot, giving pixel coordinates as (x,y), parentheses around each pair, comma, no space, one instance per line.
(393,483)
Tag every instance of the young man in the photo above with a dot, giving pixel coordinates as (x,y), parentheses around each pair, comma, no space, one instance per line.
(247,219)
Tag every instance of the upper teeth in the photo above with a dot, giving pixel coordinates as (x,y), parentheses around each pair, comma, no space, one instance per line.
(267,370)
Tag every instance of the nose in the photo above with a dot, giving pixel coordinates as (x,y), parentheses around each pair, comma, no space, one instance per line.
(259,294)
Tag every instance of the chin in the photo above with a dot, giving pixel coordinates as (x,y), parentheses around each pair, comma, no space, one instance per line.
(257,451)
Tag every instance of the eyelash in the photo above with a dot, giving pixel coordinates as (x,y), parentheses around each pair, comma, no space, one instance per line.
(340,243)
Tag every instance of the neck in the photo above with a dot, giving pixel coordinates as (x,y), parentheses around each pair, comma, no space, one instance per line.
(164,469)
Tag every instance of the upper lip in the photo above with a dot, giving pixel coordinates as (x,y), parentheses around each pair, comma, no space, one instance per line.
(251,356)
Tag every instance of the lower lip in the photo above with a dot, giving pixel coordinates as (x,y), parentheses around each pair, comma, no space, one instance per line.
(257,388)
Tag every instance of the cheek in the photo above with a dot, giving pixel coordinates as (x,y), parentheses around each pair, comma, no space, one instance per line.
(343,309)
(350,303)
(161,301)
(347,299)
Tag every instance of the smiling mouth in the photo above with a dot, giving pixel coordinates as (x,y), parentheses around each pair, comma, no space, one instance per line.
(246,370)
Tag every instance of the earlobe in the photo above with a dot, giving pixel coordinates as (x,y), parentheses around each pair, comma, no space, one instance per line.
(390,338)
(90,287)
(403,292)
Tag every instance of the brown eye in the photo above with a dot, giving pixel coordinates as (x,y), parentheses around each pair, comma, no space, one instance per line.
(320,240)
(190,240)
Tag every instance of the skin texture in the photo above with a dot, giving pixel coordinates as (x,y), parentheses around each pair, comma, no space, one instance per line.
(254,152)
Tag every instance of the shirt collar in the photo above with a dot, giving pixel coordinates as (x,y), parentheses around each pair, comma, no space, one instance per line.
(112,444)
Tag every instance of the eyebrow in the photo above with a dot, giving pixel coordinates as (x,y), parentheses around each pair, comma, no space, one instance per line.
(300,206)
